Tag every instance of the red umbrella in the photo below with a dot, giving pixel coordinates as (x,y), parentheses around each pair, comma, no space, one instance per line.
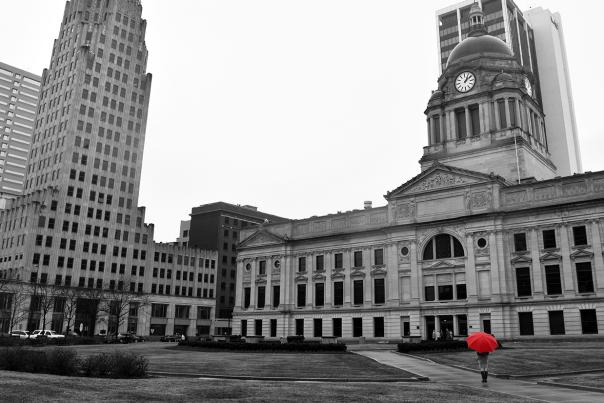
(482,342)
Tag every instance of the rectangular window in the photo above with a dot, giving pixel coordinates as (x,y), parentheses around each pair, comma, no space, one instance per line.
(525,320)
(246,297)
(273,327)
(337,327)
(357,327)
(580,236)
(319,294)
(445,292)
(585,281)
(552,280)
(502,118)
(379,291)
(429,293)
(462,325)
(474,120)
(302,264)
(556,322)
(358,259)
(262,268)
(460,120)
(520,242)
(261,296)
(244,328)
(159,310)
(317,327)
(276,295)
(378,257)
(358,292)
(523,281)
(258,327)
(549,239)
(512,107)
(319,260)
(338,293)
(301,296)
(299,327)
(338,261)
(589,321)
(461,291)
(378,326)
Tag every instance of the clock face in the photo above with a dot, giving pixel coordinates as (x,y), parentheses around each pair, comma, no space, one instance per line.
(529,87)
(465,81)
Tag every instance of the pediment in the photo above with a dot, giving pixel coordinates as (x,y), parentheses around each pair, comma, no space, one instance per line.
(439,177)
(550,256)
(338,275)
(261,280)
(441,264)
(357,273)
(261,237)
(581,253)
(301,279)
(522,259)
(379,271)
(318,277)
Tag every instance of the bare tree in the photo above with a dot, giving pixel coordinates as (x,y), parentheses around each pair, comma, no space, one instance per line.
(20,294)
(117,302)
(45,293)
(71,296)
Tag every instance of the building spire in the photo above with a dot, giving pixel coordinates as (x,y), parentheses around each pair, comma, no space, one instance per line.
(477,25)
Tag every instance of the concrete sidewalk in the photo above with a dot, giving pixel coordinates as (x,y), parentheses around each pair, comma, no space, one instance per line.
(445,374)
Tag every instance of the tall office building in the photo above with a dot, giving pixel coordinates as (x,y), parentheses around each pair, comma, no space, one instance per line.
(19,91)
(216,226)
(78,224)
(537,43)
(557,96)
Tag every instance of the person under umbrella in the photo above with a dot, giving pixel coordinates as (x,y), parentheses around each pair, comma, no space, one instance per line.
(483,343)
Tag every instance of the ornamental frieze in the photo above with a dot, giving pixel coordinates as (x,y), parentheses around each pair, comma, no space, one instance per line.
(439,180)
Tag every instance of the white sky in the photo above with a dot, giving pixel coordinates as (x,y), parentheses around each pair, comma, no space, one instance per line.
(302,107)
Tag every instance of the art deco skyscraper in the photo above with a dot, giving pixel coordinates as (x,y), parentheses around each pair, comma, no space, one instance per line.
(78,223)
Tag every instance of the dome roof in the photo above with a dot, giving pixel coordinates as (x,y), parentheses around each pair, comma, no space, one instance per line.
(485,45)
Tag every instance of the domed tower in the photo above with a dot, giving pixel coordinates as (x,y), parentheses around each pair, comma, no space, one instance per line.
(485,116)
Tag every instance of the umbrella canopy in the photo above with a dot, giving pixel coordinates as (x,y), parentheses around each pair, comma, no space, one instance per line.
(482,342)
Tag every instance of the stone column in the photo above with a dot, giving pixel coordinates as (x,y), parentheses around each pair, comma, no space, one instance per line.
(239,283)
(392,295)
(268,290)
(495,266)
(536,277)
(429,124)
(368,280)
(497,119)
(567,266)
(347,281)
(328,283)
(518,117)
(597,248)
(452,127)
(253,274)
(443,128)
(471,288)
(468,122)
(415,275)
(506,102)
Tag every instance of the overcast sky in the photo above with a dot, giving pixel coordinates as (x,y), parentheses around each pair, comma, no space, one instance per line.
(301,108)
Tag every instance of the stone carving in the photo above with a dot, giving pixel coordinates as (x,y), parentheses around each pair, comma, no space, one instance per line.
(545,193)
(406,210)
(481,200)
(439,180)
(574,188)
(599,185)
(515,197)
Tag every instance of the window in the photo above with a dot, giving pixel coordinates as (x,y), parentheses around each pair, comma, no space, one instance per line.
(258,327)
(474,120)
(460,119)
(276,295)
(378,257)
(319,261)
(317,327)
(436,120)
(445,292)
(358,259)
(461,291)
(299,327)
(301,302)
(429,293)
(319,294)
(462,325)
(443,246)
(520,242)
(523,281)
(261,296)
(556,322)
(338,261)
(552,280)
(246,297)
(379,291)
(589,321)
(512,107)
(358,292)
(337,327)
(525,320)
(502,118)
(244,328)
(302,264)
(357,327)
(262,268)
(584,277)
(159,310)
(338,293)
(549,239)
(580,236)
(273,324)
(378,326)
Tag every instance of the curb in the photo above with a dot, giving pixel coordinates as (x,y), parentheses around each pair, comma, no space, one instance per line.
(568,386)
(287,379)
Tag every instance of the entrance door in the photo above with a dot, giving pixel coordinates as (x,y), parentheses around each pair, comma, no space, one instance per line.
(485,321)
(86,312)
(446,327)
(430,326)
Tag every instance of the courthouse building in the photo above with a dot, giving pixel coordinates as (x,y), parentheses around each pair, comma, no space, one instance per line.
(77,227)
(487,237)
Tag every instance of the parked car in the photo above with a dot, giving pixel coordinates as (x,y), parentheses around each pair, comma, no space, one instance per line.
(51,334)
(172,338)
(22,334)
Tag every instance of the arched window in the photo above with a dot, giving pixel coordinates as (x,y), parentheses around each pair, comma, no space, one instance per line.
(443,246)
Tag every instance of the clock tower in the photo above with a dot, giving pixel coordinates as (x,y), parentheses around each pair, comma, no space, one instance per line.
(485,115)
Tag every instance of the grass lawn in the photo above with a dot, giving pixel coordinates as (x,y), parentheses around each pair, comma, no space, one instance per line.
(170,358)
(43,388)
(530,359)
(593,380)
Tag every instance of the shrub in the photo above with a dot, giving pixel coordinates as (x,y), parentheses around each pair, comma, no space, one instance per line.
(433,346)
(19,359)
(97,365)
(265,346)
(115,365)
(62,361)
(295,339)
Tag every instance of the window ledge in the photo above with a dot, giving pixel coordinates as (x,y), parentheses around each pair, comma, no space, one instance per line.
(586,294)
(524,297)
(358,267)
